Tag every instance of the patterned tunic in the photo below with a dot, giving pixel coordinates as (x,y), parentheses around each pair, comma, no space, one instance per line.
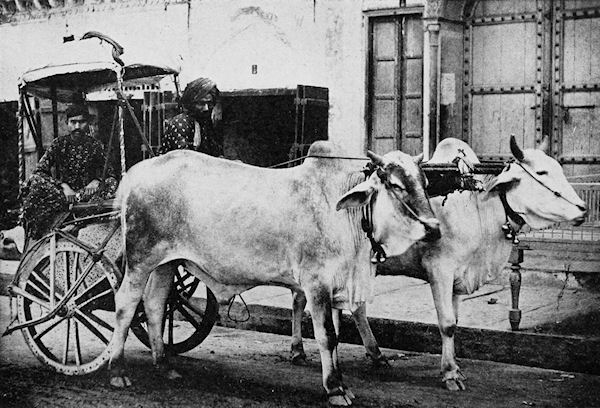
(76,163)
(179,134)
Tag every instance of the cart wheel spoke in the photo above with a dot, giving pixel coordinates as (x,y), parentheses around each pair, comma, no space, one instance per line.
(186,302)
(95,319)
(31,299)
(67,271)
(47,329)
(191,319)
(66,349)
(170,319)
(181,285)
(107,293)
(88,321)
(77,343)
(79,268)
(41,284)
(41,280)
(91,292)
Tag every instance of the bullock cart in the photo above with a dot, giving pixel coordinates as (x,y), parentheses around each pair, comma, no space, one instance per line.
(63,291)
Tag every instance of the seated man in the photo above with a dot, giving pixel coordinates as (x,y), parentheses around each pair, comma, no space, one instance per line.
(197,127)
(71,170)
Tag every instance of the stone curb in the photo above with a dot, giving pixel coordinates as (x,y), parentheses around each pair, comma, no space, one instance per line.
(566,353)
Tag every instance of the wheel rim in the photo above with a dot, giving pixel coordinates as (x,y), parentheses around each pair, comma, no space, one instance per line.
(190,314)
(75,341)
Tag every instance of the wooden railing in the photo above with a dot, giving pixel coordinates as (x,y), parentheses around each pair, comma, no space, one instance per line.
(588,231)
(575,244)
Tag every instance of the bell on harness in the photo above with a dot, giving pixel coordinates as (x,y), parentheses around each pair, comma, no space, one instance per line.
(510,233)
(378,256)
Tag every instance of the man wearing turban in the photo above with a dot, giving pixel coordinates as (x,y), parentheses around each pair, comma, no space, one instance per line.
(196,127)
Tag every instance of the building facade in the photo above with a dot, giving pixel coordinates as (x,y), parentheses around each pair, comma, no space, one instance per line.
(398,74)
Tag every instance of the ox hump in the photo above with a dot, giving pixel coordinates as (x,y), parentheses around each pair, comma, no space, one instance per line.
(450,148)
(326,154)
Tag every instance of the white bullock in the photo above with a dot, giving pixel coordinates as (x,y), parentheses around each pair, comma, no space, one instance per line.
(236,226)
(473,245)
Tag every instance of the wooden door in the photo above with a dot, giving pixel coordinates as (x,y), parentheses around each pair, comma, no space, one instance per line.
(503,64)
(576,83)
(395,110)
(532,68)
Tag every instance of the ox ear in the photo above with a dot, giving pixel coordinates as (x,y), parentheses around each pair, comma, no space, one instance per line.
(503,179)
(358,196)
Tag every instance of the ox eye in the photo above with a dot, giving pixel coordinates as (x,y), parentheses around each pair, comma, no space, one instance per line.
(397,186)
(541,173)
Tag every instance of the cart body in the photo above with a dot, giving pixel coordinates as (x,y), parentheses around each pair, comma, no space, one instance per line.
(63,291)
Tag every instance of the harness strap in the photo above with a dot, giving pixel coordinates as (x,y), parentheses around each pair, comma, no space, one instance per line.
(379,255)
(510,233)
(556,193)
(510,213)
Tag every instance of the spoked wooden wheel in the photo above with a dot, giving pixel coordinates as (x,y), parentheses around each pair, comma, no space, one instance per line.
(74,341)
(190,314)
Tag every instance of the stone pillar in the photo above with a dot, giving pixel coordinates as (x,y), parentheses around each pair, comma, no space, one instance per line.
(431,74)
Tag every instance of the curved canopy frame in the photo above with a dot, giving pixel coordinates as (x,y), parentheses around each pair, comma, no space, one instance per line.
(79,67)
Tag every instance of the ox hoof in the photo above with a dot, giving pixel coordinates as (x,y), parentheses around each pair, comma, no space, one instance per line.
(299,358)
(339,398)
(173,375)
(121,381)
(380,361)
(349,393)
(455,384)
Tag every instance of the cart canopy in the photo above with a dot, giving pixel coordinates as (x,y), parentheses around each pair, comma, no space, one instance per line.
(85,65)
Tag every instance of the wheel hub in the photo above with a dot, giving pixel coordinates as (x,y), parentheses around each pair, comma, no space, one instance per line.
(68,310)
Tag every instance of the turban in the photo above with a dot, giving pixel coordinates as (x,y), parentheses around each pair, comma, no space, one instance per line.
(77,109)
(197,90)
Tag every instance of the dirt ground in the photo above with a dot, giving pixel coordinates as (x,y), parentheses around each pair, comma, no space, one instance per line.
(235,368)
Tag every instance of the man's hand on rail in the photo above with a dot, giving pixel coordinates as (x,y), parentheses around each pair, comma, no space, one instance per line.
(68,192)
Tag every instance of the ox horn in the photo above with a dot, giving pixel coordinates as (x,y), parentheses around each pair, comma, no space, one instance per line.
(515,149)
(544,144)
(375,158)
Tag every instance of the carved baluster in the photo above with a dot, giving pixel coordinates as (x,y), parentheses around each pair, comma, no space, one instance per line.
(514,314)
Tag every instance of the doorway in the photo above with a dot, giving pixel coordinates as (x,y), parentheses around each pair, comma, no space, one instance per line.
(395,84)
(532,68)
